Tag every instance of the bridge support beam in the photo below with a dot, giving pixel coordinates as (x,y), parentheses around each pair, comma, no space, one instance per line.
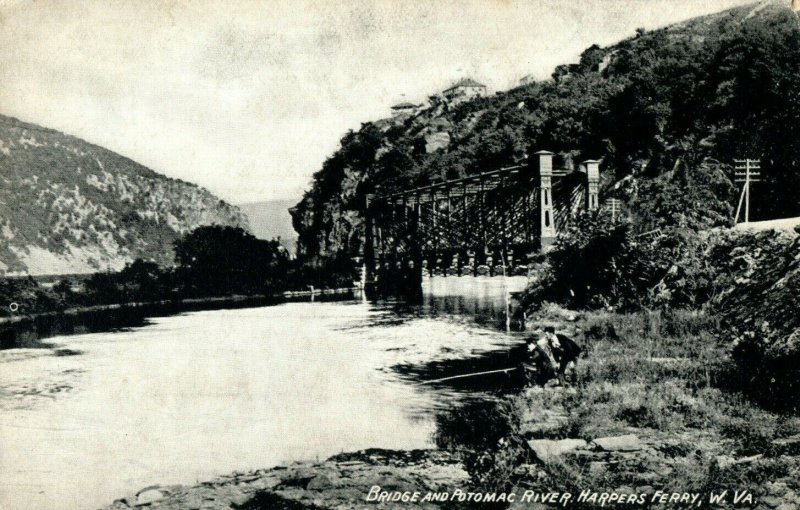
(370,249)
(546,218)
(592,184)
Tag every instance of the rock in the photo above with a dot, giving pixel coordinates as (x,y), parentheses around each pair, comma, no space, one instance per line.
(148,496)
(725,461)
(331,484)
(319,483)
(548,449)
(193,502)
(626,443)
(776,488)
(786,506)
(788,445)
(597,468)
(238,498)
(436,141)
(770,501)
(247,478)
(538,423)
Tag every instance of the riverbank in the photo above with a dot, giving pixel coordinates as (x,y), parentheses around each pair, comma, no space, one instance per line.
(656,406)
(28,330)
(343,482)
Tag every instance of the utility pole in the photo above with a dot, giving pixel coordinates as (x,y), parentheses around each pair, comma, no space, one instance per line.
(746,171)
(615,205)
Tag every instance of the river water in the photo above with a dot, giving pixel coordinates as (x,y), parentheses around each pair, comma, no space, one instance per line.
(187,397)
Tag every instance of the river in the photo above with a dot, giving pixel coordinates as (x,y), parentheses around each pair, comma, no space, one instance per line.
(187,397)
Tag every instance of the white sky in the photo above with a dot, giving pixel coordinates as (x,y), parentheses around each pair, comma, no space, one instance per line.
(248,98)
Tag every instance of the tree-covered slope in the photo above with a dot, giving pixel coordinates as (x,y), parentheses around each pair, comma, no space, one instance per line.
(67,206)
(666,110)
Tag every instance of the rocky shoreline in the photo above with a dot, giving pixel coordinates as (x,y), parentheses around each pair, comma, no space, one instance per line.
(341,482)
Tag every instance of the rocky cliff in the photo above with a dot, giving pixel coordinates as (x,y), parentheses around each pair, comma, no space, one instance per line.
(67,206)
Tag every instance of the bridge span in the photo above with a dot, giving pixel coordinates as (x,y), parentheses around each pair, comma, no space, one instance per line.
(489,223)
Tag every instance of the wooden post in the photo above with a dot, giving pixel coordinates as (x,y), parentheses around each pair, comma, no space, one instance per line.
(449,226)
(747,172)
(747,193)
(502,217)
(464,215)
(435,230)
(482,210)
(368,262)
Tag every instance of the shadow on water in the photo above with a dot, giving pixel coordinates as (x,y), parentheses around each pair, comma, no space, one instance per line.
(467,375)
(473,303)
(31,331)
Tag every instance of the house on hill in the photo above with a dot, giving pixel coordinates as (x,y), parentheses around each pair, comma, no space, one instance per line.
(406,107)
(463,90)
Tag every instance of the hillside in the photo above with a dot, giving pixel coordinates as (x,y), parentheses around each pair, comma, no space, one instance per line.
(271,220)
(67,206)
(666,110)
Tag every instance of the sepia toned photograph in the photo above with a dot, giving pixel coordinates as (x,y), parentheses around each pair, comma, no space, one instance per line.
(396,254)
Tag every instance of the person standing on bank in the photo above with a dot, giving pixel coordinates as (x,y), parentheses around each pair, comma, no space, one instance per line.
(549,355)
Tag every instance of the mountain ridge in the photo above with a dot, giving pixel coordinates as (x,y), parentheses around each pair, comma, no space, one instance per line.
(69,206)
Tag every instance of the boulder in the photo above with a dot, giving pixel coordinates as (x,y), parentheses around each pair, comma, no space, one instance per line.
(148,496)
(436,141)
(626,443)
(319,483)
(771,501)
(725,461)
(548,449)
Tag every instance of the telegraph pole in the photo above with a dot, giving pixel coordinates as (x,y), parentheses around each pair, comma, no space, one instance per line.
(746,171)
(615,205)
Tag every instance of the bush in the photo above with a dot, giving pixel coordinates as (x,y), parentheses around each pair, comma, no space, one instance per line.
(485,434)
(596,263)
(758,303)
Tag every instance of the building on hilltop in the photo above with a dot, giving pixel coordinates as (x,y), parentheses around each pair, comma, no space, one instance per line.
(463,90)
(405,107)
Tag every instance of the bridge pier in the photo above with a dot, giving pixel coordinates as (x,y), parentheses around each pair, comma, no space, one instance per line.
(592,184)
(546,216)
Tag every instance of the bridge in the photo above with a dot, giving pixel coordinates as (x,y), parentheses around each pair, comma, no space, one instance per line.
(488,223)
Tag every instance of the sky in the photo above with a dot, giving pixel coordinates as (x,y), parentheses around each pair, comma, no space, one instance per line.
(248,98)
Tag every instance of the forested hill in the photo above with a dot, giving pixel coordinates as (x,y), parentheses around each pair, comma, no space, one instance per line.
(67,206)
(666,110)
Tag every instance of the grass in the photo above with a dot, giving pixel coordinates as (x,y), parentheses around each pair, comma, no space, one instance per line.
(663,376)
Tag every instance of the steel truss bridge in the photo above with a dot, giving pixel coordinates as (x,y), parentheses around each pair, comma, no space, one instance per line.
(484,224)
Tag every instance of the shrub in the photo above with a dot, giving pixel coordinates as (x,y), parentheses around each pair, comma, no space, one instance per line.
(760,278)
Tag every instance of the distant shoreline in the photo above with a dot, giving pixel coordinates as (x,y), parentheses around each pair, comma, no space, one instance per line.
(28,330)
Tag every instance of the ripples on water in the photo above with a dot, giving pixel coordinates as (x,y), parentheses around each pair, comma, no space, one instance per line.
(184,398)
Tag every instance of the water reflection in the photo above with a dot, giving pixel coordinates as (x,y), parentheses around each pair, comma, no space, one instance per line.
(182,398)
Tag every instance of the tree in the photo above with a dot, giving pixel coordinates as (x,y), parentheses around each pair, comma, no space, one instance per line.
(142,281)
(217,260)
